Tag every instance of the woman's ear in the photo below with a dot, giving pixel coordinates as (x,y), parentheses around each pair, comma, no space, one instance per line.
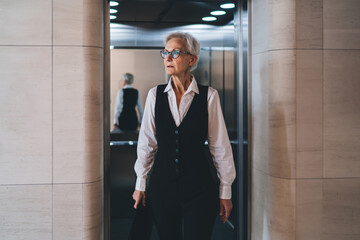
(193,60)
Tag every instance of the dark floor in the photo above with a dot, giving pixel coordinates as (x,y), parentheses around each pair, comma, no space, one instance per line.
(122,186)
(120,230)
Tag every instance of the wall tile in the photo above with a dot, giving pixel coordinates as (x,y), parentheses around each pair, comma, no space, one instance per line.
(26,212)
(341,113)
(309,114)
(282,25)
(273,209)
(273,25)
(282,105)
(78,100)
(260,112)
(26,22)
(26,115)
(341,24)
(260,22)
(68,212)
(92,214)
(341,218)
(309,164)
(273,91)
(309,24)
(309,213)
(78,22)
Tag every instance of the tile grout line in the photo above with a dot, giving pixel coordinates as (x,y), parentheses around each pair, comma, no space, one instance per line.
(53,45)
(52,116)
(295,119)
(303,49)
(82,212)
(323,92)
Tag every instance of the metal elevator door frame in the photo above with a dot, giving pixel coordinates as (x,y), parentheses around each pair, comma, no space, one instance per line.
(241,24)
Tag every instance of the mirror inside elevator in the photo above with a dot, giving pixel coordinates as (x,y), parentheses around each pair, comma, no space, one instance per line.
(136,41)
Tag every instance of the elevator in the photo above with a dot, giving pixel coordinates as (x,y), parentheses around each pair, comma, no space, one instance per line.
(135,47)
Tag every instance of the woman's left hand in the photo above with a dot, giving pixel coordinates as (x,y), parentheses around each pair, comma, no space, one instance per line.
(225,209)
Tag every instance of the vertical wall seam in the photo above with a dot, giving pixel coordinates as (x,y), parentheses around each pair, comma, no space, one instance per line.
(323,90)
(295,118)
(323,110)
(82,212)
(52,119)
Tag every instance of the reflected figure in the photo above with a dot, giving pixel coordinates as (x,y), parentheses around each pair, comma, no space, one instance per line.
(179,117)
(128,98)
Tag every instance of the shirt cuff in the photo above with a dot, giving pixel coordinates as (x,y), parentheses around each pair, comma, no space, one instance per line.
(225,192)
(140,184)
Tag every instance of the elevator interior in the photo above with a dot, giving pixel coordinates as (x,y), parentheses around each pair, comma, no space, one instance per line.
(135,49)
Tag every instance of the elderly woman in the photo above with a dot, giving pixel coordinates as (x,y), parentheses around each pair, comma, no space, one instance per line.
(179,117)
(127,99)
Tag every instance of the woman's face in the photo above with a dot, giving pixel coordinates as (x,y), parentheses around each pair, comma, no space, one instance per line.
(180,65)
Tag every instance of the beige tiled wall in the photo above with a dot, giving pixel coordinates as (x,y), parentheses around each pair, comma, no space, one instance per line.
(26,114)
(341,113)
(305,119)
(51,74)
(25,22)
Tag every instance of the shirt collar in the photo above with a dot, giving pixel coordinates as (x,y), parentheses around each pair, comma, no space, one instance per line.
(192,87)
(128,86)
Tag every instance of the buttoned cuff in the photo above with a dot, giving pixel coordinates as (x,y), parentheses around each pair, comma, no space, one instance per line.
(225,192)
(140,184)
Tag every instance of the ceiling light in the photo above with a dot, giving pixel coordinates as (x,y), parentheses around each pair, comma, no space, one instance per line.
(113,3)
(227,5)
(112,17)
(113,11)
(209,19)
(218,13)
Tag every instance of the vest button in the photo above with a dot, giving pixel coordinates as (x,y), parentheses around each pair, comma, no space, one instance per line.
(177,160)
(177,150)
(177,170)
(176,131)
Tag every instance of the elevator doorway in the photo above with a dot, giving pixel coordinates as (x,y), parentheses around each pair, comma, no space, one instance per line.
(221,61)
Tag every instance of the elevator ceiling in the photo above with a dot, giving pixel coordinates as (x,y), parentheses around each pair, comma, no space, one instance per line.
(163,13)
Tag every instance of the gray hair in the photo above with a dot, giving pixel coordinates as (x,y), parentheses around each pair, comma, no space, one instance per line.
(128,77)
(192,44)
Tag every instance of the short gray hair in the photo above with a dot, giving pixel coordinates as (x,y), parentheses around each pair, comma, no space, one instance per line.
(128,77)
(192,44)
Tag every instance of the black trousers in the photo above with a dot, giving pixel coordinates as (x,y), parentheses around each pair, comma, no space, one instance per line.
(190,219)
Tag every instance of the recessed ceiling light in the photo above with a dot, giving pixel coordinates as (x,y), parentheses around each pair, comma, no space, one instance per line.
(113,3)
(227,5)
(209,19)
(112,17)
(218,13)
(113,11)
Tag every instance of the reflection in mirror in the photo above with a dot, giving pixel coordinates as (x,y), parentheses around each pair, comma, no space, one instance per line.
(136,50)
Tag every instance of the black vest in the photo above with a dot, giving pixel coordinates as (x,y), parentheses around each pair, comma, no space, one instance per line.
(128,119)
(180,161)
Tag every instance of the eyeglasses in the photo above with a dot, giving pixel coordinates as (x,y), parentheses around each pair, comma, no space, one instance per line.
(174,53)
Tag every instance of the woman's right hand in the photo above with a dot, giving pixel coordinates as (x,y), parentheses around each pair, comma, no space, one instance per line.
(139,196)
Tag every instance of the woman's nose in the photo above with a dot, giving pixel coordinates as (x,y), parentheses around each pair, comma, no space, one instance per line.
(168,57)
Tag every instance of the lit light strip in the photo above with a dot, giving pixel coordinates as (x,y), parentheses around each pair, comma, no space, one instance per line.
(209,19)
(218,13)
(113,3)
(227,5)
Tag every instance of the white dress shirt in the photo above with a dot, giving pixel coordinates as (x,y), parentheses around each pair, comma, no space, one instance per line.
(120,104)
(218,139)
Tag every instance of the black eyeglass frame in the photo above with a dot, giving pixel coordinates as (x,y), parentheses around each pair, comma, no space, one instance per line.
(163,55)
